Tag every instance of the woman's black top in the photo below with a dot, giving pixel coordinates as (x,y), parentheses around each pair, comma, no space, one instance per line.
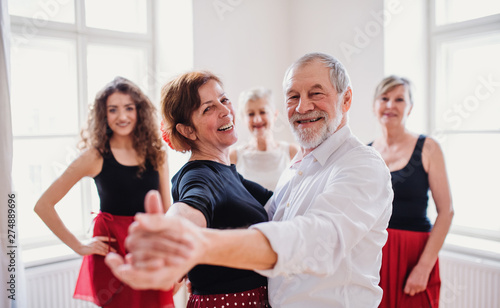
(411,194)
(121,190)
(227,201)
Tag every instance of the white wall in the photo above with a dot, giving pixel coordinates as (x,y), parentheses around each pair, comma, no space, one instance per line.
(349,31)
(406,54)
(251,43)
(246,44)
(174,53)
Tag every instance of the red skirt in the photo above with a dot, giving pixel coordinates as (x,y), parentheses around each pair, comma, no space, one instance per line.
(399,255)
(255,298)
(96,283)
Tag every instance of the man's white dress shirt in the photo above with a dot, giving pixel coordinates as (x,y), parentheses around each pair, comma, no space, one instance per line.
(330,213)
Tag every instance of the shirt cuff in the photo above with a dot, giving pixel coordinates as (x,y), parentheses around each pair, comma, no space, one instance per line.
(280,235)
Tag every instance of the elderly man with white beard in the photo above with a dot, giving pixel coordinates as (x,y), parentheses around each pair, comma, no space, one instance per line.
(329,213)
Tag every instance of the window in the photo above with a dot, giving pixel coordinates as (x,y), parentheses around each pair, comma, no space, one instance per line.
(62,53)
(453,11)
(465,109)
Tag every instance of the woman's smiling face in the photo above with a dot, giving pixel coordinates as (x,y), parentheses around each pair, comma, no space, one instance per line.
(259,116)
(121,113)
(214,119)
(393,107)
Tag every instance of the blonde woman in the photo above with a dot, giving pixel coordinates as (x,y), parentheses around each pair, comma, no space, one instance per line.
(410,271)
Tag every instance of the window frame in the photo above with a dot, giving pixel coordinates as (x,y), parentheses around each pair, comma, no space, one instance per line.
(439,35)
(82,37)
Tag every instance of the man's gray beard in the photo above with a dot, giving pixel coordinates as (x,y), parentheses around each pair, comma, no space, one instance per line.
(311,138)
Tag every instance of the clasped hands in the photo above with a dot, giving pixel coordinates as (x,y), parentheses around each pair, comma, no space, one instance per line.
(162,249)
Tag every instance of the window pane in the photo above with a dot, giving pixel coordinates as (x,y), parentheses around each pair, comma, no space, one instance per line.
(105,62)
(451,11)
(44,87)
(60,11)
(468,89)
(473,168)
(118,15)
(36,164)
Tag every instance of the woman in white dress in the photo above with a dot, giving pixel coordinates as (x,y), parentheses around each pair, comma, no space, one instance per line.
(262,159)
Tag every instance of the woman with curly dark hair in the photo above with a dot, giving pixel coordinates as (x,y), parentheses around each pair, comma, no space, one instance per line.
(122,151)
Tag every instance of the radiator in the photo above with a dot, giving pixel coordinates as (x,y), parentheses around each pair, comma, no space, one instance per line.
(52,286)
(469,282)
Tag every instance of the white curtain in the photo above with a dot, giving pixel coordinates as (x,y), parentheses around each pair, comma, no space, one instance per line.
(17,268)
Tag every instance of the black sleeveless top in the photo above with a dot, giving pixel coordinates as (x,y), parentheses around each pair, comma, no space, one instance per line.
(411,187)
(120,190)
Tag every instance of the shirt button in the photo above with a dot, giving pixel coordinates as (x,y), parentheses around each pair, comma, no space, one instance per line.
(315,160)
(288,204)
(300,172)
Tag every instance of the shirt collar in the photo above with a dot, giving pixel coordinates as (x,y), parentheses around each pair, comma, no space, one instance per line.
(330,145)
